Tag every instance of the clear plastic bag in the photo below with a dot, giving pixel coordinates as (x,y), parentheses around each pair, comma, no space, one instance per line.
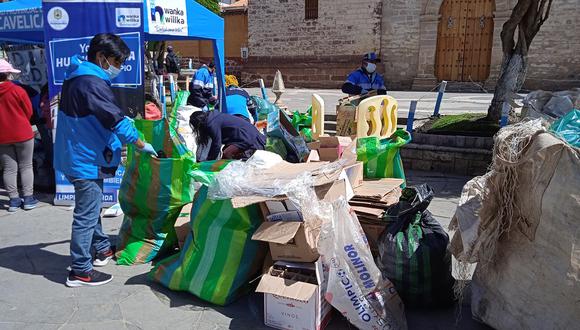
(355,285)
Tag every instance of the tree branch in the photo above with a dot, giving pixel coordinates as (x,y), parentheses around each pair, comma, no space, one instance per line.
(509,27)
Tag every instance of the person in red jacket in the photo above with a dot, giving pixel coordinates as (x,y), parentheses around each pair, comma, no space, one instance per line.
(16,140)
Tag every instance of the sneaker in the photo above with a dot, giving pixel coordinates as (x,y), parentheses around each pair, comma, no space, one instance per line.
(14,205)
(30,202)
(92,278)
(102,259)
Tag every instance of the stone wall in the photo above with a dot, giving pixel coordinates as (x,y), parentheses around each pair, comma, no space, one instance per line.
(310,53)
(555,52)
(463,155)
(320,53)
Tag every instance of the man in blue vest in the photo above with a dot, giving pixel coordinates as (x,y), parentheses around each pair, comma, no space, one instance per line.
(201,88)
(365,79)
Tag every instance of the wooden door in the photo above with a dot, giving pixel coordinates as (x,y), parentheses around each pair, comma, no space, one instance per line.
(464,40)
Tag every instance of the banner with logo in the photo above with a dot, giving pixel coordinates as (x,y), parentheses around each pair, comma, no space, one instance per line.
(69,28)
(168,17)
(65,191)
(31,62)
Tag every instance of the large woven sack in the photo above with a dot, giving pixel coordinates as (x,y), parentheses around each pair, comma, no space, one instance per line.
(534,279)
(219,257)
(152,193)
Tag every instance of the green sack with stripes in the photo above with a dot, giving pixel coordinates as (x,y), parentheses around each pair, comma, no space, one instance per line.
(152,193)
(219,257)
(382,158)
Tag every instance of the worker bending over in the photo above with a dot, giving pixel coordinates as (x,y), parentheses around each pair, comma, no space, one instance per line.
(201,88)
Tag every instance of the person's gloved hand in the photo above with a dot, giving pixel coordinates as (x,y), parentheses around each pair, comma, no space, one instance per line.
(148,148)
(364,92)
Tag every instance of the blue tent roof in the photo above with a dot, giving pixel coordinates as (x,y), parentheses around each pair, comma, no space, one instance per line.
(21,21)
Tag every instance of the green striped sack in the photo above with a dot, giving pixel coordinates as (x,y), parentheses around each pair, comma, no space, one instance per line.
(382,158)
(180,100)
(219,257)
(152,193)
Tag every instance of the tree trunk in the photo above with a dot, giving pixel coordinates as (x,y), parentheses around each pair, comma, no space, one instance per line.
(511,80)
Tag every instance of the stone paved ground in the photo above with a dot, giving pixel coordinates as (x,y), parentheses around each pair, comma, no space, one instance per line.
(34,258)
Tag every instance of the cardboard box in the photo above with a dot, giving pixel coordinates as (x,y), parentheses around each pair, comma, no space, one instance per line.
(182,225)
(294,299)
(331,147)
(355,174)
(292,240)
(288,240)
(373,230)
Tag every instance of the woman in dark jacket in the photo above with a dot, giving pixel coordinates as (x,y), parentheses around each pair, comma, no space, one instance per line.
(239,138)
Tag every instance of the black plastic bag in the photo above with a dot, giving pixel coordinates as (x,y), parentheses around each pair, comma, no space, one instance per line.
(413,252)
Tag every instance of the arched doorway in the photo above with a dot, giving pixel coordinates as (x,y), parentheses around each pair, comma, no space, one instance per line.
(464,40)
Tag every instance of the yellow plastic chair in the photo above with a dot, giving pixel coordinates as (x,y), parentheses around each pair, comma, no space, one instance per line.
(317,116)
(381,112)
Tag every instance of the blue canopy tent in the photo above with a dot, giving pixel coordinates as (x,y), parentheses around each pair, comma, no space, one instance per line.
(21,22)
(202,24)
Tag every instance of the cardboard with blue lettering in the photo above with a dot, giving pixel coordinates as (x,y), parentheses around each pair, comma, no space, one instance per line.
(65,192)
(294,296)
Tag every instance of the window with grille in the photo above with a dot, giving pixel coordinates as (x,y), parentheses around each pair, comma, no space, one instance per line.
(311,9)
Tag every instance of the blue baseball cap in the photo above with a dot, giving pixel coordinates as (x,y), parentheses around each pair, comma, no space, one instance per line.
(371,57)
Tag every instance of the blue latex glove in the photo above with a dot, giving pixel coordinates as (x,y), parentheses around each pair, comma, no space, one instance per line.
(148,148)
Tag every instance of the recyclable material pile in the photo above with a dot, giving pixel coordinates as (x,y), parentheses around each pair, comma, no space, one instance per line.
(329,225)
(518,222)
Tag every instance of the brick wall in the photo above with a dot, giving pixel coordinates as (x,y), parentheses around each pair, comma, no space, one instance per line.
(310,53)
(320,53)
(400,41)
(555,52)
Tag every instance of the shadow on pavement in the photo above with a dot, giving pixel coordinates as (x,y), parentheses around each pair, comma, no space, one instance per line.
(35,260)
(246,312)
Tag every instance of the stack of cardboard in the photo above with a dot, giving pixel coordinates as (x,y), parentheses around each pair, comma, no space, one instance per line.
(370,203)
(293,283)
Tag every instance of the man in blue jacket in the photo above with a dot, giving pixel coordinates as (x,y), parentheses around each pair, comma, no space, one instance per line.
(91,131)
(201,88)
(365,79)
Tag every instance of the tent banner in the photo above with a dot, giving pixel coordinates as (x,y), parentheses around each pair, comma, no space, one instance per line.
(69,28)
(21,20)
(168,17)
(65,191)
(62,50)
(31,62)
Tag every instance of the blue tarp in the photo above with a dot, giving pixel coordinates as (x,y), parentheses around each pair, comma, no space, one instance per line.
(21,21)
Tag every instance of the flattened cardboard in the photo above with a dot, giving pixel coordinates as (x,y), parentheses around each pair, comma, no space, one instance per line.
(378,213)
(377,189)
(301,291)
(313,157)
(355,174)
(277,232)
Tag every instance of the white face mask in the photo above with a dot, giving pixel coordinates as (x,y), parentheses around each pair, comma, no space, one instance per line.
(371,67)
(112,71)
